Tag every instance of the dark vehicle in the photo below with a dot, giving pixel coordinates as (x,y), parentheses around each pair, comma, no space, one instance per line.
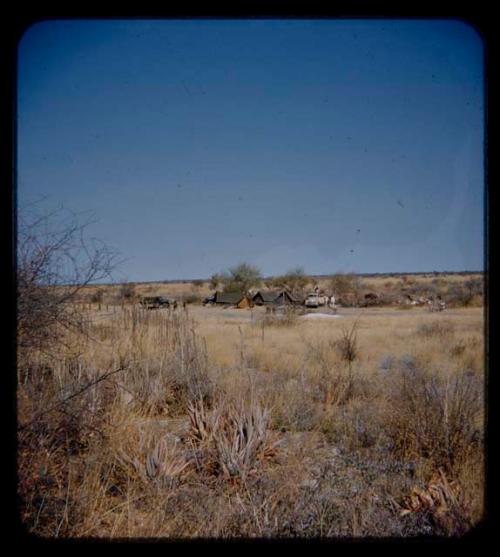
(209,300)
(154,302)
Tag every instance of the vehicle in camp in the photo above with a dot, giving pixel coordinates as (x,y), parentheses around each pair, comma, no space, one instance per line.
(209,300)
(155,302)
(314,300)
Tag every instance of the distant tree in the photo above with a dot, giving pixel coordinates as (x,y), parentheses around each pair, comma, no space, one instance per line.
(215,280)
(474,287)
(462,294)
(192,299)
(241,278)
(345,286)
(294,280)
(126,292)
(97,296)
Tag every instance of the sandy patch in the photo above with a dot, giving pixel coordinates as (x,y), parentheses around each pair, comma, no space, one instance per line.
(319,316)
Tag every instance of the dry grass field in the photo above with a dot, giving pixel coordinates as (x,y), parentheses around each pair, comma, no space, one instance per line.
(207,422)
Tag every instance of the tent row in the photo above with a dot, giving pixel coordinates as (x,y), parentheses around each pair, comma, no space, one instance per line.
(261,298)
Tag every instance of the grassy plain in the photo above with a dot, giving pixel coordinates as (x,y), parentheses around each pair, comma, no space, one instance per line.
(209,422)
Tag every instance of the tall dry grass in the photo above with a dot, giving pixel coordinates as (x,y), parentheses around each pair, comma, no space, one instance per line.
(200,424)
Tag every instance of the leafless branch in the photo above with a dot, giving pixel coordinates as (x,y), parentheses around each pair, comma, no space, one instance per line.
(55,260)
(78,392)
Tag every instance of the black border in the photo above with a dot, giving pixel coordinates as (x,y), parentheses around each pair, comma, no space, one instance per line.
(15,24)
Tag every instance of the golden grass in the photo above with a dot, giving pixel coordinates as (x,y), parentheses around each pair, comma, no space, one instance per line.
(119,460)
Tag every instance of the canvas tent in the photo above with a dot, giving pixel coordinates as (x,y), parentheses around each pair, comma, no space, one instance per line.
(245,302)
(285,298)
(281,297)
(228,298)
(232,299)
(264,297)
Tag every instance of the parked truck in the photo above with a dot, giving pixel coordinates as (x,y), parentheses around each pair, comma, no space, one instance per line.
(154,302)
(314,300)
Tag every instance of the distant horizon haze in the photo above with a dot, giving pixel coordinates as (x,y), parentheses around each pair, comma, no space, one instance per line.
(314,276)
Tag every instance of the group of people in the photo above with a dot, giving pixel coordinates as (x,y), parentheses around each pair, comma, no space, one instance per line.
(330,300)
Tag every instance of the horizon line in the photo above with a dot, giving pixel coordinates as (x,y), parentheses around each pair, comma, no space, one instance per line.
(314,276)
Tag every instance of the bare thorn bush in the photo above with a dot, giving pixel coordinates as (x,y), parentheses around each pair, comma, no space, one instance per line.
(347,344)
(56,259)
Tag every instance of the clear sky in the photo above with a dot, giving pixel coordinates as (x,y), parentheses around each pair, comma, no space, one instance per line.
(335,145)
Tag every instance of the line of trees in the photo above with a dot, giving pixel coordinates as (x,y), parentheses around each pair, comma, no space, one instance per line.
(244,276)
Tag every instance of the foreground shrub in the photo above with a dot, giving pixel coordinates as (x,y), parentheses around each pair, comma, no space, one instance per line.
(153,460)
(439,504)
(438,418)
(294,405)
(347,344)
(236,435)
(55,261)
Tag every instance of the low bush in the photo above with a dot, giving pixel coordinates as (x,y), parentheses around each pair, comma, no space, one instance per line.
(436,329)
(465,294)
(235,436)
(431,416)
(193,299)
(281,317)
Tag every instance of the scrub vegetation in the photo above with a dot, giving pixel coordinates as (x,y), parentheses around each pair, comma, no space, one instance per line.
(200,422)
(189,421)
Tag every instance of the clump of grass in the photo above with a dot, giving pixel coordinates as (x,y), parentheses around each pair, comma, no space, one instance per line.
(347,344)
(157,461)
(193,299)
(294,405)
(436,329)
(236,435)
(283,317)
(437,418)
(171,363)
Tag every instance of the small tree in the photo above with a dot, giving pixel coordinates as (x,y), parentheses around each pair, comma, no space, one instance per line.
(215,281)
(294,280)
(345,286)
(241,278)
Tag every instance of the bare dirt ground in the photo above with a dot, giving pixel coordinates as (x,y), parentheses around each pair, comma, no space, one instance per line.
(257,313)
(233,315)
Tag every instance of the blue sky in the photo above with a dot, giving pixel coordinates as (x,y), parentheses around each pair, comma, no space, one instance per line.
(335,145)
